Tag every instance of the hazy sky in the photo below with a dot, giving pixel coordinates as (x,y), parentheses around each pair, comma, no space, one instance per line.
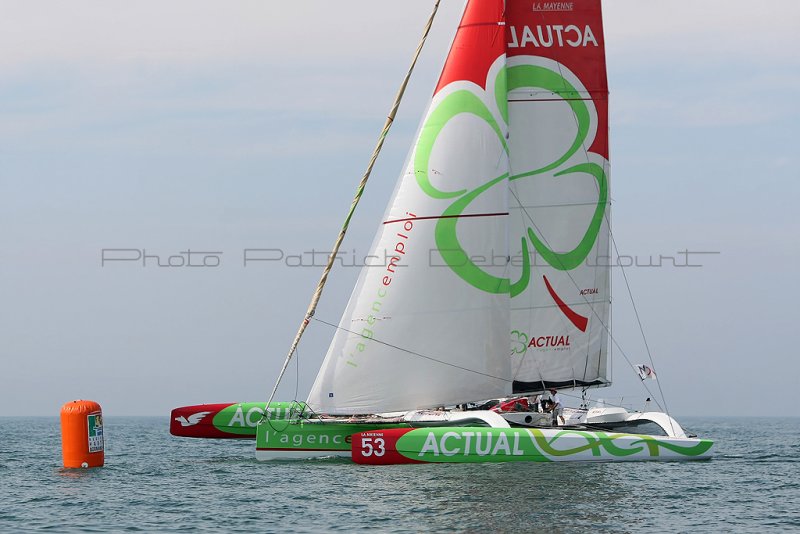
(222,126)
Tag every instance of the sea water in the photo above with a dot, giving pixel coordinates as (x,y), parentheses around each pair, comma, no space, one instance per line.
(153,482)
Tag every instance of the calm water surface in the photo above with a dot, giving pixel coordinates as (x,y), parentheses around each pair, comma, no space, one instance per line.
(153,482)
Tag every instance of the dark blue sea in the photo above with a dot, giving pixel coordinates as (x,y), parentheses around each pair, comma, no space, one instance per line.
(153,482)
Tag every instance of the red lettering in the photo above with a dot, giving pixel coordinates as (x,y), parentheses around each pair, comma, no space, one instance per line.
(549,341)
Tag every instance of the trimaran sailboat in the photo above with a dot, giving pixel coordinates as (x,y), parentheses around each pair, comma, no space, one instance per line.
(499,226)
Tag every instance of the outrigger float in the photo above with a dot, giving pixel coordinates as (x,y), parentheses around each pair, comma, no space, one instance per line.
(496,283)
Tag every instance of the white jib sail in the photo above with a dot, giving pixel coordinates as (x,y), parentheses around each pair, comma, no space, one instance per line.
(415,334)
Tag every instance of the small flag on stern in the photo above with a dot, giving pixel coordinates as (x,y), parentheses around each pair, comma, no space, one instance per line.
(645,371)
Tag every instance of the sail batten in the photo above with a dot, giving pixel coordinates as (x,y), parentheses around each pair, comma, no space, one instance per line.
(459,216)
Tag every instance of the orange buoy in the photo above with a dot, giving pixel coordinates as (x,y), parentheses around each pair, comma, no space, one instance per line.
(82,434)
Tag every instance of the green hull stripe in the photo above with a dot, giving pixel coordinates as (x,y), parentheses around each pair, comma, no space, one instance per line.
(473,445)
(306,436)
(242,418)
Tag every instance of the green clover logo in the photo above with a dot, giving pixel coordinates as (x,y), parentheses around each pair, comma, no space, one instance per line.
(519,76)
(519,342)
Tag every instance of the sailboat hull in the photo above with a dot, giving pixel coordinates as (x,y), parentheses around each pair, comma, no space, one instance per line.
(298,439)
(399,443)
(479,445)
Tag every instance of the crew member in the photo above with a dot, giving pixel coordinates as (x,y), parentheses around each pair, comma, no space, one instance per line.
(544,400)
(533,403)
(557,408)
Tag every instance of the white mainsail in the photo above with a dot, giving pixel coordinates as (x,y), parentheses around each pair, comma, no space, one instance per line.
(414,335)
(559,205)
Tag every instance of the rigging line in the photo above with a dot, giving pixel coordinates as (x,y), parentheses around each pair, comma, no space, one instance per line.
(605,402)
(604,325)
(500,29)
(562,205)
(610,306)
(585,300)
(639,321)
(290,411)
(585,151)
(431,358)
(547,306)
(297,374)
(642,381)
(312,307)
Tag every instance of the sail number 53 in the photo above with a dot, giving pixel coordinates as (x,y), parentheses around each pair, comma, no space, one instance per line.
(372,446)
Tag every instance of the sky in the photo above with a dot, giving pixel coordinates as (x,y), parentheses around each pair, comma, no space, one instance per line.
(218,127)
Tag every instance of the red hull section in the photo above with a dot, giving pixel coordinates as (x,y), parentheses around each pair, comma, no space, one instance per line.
(231,420)
(198,422)
(379,447)
(520,404)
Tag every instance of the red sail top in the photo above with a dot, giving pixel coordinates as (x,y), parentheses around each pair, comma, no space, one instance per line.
(479,41)
(568,32)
